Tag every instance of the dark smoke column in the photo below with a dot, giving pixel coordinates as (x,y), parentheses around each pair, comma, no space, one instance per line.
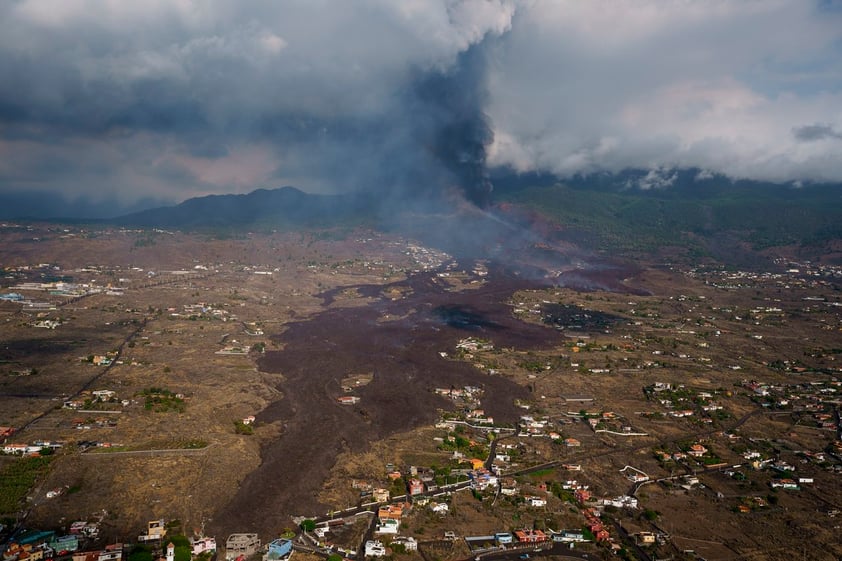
(460,132)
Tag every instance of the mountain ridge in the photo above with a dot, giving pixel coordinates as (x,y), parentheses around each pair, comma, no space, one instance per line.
(281,207)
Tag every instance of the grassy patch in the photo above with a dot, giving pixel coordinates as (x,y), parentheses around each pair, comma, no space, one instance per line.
(162,400)
(243,428)
(17,478)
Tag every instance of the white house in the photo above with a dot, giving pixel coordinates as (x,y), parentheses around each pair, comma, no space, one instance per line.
(15,449)
(410,543)
(201,545)
(439,508)
(21,449)
(387,526)
(374,548)
(536,501)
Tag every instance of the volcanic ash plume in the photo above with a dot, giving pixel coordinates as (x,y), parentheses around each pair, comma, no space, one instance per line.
(453,100)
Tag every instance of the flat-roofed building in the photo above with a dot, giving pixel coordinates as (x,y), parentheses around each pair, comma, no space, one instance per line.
(241,544)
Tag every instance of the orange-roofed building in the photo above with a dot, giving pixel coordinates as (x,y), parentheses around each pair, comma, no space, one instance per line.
(530,536)
(393,512)
(697,450)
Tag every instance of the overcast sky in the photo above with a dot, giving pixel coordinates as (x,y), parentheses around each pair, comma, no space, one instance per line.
(178,98)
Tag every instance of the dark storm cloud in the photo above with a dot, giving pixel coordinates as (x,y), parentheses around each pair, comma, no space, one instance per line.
(178,98)
(809,133)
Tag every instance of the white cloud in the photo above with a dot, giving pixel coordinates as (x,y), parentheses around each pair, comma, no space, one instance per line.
(604,85)
(658,178)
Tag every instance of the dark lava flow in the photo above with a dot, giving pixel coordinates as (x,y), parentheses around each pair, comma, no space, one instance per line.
(404,356)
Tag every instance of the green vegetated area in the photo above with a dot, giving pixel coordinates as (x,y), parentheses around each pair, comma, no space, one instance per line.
(241,427)
(635,220)
(16,478)
(162,400)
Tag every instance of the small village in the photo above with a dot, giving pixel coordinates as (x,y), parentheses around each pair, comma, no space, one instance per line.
(580,468)
(504,476)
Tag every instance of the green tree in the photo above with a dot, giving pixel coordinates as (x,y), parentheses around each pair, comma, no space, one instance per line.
(398,487)
(183,553)
(140,553)
(308,525)
(243,428)
(178,540)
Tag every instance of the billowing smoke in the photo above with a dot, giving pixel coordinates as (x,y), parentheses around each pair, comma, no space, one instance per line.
(178,100)
(456,98)
(424,148)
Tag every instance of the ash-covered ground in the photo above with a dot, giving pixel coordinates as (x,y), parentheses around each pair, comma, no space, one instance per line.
(404,356)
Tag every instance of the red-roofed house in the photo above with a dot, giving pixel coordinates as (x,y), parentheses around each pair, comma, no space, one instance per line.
(416,487)
(530,536)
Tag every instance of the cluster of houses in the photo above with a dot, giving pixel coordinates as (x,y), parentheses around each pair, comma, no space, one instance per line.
(681,401)
(467,396)
(815,397)
(531,426)
(95,399)
(35,545)
(786,474)
(201,310)
(61,546)
(473,345)
(611,423)
(425,258)
(33,449)
(368,491)
(517,539)
(59,288)
(482,479)
(697,450)
(796,275)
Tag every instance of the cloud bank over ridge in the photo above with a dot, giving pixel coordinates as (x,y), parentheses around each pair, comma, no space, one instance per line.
(169,99)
